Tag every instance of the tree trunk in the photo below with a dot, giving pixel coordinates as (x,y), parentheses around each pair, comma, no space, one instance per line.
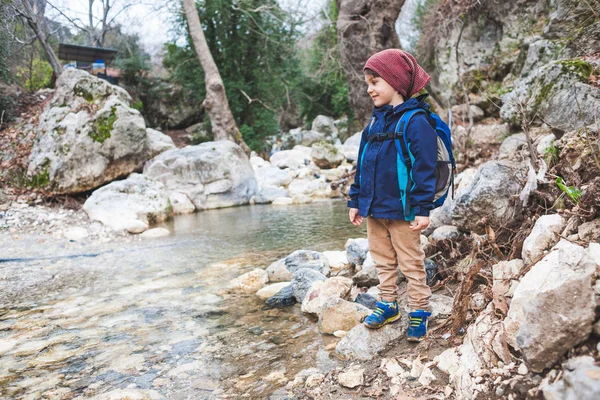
(364,27)
(216,104)
(36,23)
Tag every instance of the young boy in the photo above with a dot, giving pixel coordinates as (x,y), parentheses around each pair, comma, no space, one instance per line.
(393,76)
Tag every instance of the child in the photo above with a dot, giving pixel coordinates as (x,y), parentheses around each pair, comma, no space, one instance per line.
(393,76)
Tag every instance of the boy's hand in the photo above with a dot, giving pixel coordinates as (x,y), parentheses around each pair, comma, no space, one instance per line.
(419,223)
(354,217)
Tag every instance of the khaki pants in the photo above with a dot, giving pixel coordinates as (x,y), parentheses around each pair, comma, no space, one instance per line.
(393,244)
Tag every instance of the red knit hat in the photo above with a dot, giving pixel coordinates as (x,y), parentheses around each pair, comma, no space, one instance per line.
(400,70)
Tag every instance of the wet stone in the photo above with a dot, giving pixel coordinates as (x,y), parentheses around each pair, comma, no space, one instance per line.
(283,298)
(257,330)
(185,347)
(367,300)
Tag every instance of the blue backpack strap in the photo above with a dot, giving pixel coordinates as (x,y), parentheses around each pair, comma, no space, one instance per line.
(362,156)
(402,148)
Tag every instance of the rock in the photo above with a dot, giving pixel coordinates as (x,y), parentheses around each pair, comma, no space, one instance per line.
(87,136)
(172,106)
(426,377)
(544,235)
(293,159)
(325,125)
(337,260)
(269,194)
(522,370)
(590,231)
(339,334)
(211,174)
(155,233)
(367,300)
(490,196)
(307,259)
(273,176)
(283,201)
(326,156)
(461,113)
(353,377)
(258,162)
(367,276)
(278,271)
(320,292)
(362,343)
(581,380)
(310,187)
(271,290)
(416,368)
(431,269)
(130,394)
(181,203)
(340,315)
(283,298)
(459,363)
(425,245)
(441,305)
(75,233)
(303,279)
(552,309)
(250,282)
(488,134)
(158,142)
(545,143)
(511,146)
(445,232)
(356,250)
(354,140)
(314,380)
(132,204)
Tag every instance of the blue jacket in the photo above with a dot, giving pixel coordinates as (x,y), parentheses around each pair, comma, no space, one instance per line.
(376,191)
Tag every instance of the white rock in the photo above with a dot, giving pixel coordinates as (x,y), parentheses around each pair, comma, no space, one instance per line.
(322,291)
(271,290)
(131,204)
(181,203)
(445,232)
(509,149)
(338,314)
(250,282)
(426,377)
(155,233)
(352,378)
(293,159)
(273,176)
(76,233)
(158,142)
(544,235)
(282,201)
(545,143)
(417,368)
(258,162)
(278,272)
(522,370)
(337,260)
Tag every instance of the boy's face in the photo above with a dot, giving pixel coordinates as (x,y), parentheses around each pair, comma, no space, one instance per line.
(380,91)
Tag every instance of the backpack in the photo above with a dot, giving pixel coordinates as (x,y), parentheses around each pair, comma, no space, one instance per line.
(446,166)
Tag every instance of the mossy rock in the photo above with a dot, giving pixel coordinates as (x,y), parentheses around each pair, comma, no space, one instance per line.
(101,131)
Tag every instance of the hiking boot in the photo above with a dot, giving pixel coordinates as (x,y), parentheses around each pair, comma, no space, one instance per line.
(386,311)
(417,325)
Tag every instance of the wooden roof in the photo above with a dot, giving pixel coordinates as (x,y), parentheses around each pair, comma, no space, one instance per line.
(88,54)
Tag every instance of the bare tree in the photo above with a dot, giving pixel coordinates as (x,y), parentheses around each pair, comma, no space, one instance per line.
(216,104)
(32,12)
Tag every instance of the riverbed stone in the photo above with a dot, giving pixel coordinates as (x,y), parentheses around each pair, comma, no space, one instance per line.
(340,315)
(155,233)
(278,271)
(75,233)
(552,309)
(212,174)
(326,156)
(580,380)
(250,282)
(303,279)
(87,135)
(490,195)
(367,300)
(356,250)
(158,142)
(283,298)
(130,394)
(293,159)
(320,292)
(362,343)
(271,290)
(132,204)
(544,235)
(307,259)
(367,276)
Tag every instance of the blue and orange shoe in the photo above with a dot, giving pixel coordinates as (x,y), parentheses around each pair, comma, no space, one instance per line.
(386,312)
(417,325)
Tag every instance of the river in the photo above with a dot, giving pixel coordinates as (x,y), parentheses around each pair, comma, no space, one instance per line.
(80,319)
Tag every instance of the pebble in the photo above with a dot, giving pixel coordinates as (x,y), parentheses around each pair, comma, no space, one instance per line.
(522,369)
(499,391)
(447,391)
(339,334)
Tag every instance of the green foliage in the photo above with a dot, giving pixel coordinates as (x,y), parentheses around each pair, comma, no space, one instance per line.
(323,85)
(551,154)
(570,191)
(103,126)
(137,105)
(4,44)
(131,59)
(36,76)
(577,66)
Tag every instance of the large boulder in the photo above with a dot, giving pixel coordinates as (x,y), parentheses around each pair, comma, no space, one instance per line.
(321,291)
(544,235)
(293,159)
(132,204)
(325,125)
(87,136)
(326,156)
(211,174)
(340,315)
(270,175)
(552,309)
(169,106)
(489,195)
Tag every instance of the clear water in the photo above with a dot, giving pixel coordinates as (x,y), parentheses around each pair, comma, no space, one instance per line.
(155,315)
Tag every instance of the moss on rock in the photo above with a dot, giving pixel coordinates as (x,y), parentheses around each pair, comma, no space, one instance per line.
(578,67)
(103,126)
